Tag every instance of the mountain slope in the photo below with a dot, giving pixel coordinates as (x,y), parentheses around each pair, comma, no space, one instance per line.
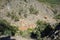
(25,13)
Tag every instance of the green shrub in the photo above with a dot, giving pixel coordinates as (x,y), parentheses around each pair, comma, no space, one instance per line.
(44,31)
(21,10)
(41,25)
(57,16)
(8,14)
(13,16)
(26,33)
(23,33)
(25,15)
(25,1)
(19,13)
(6,28)
(33,10)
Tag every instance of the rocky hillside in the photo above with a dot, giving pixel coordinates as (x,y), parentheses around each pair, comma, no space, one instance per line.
(25,13)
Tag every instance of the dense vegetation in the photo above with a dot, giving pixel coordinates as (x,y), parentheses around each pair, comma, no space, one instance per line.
(6,28)
(57,16)
(50,1)
(41,32)
(44,31)
(38,30)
